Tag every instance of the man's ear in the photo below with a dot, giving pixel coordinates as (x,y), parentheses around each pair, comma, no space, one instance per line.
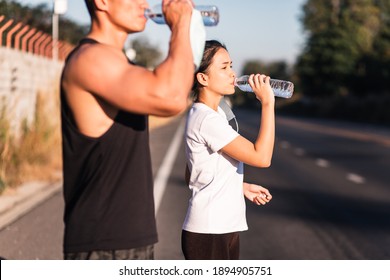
(202,79)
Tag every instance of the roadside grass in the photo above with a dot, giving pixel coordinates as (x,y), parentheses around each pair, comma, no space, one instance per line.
(35,155)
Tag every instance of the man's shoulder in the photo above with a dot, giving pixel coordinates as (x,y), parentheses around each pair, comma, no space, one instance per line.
(96,53)
(94,58)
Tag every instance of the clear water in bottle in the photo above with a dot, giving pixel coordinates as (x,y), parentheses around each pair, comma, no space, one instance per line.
(210,14)
(281,88)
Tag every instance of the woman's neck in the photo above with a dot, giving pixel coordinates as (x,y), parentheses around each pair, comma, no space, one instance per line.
(210,100)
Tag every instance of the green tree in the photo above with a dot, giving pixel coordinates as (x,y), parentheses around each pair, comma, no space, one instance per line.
(147,55)
(40,17)
(374,74)
(277,70)
(339,34)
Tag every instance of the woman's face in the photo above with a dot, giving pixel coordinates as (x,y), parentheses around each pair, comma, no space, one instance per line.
(220,73)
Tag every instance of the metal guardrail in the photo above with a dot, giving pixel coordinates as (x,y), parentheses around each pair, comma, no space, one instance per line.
(25,38)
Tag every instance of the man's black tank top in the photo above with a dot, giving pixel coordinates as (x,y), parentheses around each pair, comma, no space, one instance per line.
(108,184)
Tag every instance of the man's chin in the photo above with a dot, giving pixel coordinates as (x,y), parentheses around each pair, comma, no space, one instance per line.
(137,29)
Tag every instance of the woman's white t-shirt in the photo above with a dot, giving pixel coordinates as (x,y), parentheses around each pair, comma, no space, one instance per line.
(217,204)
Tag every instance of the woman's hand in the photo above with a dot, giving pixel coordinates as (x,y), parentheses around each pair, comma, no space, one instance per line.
(262,88)
(257,194)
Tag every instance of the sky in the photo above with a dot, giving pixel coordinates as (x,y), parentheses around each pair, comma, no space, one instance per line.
(265,30)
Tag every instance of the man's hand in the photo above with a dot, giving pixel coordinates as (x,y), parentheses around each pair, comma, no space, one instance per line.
(176,10)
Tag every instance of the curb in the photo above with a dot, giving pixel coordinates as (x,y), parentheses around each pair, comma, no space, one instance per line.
(25,197)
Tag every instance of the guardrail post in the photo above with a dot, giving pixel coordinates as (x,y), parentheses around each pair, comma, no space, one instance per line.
(3,28)
(32,41)
(38,43)
(48,48)
(42,49)
(25,39)
(10,33)
(18,37)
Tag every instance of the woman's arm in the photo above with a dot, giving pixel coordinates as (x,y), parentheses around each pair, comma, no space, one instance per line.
(257,154)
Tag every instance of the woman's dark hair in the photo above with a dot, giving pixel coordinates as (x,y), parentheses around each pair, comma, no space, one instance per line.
(210,49)
(91,7)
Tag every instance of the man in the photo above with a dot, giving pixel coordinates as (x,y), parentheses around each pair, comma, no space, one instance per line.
(105,101)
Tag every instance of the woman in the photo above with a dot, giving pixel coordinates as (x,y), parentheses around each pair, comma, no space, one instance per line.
(215,156)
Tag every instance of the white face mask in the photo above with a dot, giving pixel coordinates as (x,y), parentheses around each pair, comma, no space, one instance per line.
(197,37)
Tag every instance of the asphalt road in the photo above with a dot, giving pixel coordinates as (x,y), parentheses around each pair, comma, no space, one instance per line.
(331,197)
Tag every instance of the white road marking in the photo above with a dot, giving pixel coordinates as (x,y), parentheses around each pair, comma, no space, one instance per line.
(356,178)
(285,144)
(299,152)
(161,179)
(322,162)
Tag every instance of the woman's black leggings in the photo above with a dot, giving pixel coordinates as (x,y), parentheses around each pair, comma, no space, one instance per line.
(200,246)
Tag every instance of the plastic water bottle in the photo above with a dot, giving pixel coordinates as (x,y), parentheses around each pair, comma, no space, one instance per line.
(281,88)
(210,14)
